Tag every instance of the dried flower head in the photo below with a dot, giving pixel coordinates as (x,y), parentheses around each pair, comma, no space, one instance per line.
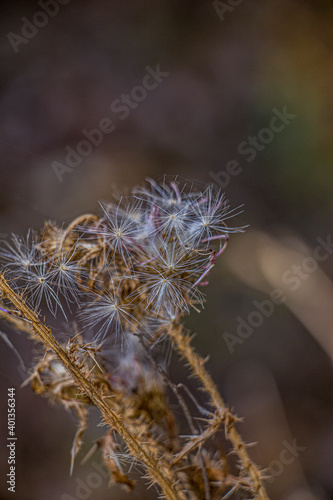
(145,257)
(128,276)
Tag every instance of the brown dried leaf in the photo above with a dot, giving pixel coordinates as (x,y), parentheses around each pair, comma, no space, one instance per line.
(82,415)
(109,451)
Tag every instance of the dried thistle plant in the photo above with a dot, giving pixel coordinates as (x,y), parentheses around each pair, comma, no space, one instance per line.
(123,281)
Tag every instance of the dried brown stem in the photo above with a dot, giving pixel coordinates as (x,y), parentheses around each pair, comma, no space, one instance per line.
(159,471)
(183,344)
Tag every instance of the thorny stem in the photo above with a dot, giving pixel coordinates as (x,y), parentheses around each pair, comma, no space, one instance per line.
(160,474)
(189,420)
(183,343)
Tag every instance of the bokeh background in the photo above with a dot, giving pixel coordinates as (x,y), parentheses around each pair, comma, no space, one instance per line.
(227,72)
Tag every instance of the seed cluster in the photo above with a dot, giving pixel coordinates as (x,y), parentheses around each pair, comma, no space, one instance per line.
(135,268)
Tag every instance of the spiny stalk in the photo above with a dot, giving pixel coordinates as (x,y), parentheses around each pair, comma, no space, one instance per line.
(223,414)
(159,472)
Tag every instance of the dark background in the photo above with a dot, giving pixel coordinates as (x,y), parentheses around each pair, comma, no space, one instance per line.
(225,78)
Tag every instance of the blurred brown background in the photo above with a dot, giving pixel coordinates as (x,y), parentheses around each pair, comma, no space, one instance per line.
(227,72)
